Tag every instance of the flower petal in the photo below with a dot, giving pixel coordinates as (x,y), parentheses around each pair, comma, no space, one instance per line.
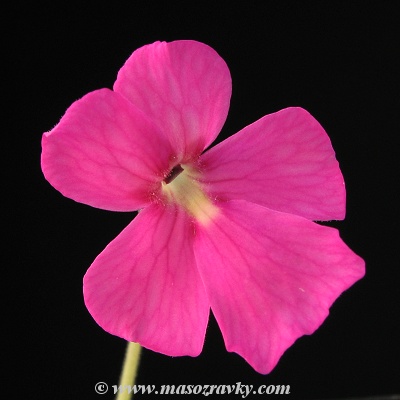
(284,161)
(184,86)
(145,287)
(270,277)
(106,153)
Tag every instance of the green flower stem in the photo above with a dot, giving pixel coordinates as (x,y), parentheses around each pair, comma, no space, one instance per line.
(129,369)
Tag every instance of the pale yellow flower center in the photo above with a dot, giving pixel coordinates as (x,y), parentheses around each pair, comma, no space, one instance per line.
(186,191)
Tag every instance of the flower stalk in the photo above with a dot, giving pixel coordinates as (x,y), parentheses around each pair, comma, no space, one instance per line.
(129,370)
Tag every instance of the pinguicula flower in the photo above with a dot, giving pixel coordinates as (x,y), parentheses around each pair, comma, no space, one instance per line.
(229,229)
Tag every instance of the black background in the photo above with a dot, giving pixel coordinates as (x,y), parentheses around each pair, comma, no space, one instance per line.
(338,60)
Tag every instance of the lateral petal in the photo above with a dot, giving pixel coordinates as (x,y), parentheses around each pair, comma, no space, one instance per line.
(283,161)
(145,287)
(184,86)
(106,153)
(270,277)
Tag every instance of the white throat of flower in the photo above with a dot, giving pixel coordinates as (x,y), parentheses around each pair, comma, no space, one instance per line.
(182,188)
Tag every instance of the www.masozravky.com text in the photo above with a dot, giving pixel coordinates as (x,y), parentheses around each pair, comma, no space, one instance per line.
(237,388)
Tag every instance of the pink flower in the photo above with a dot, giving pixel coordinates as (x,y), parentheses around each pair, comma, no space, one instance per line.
(230,229)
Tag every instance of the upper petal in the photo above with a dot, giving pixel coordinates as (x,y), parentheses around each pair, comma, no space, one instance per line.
(184,86)
(270,277)
(284,161)
(145,287)
(106,153)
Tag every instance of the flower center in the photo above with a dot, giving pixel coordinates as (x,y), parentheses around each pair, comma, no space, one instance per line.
(181,187)
(173,174)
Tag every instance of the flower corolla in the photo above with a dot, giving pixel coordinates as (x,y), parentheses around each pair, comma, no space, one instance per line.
(229,229)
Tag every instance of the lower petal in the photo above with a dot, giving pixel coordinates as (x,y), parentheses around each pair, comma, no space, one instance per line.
(270,277)
(145,287)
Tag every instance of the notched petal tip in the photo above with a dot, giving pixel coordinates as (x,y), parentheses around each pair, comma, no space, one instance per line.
(271,277)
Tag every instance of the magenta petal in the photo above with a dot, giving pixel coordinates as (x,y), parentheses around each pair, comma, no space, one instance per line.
(284,161)
(145,287)
(106,153)
(270,277)
(184,86)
